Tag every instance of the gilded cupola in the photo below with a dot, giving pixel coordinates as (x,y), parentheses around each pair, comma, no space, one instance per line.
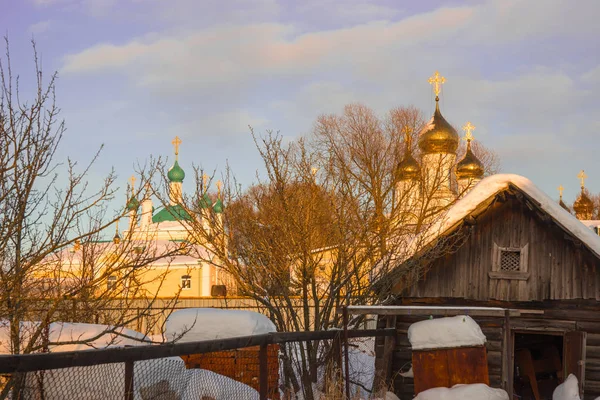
(583,205)
(438,136)
(469,167)
(408,168)
(560,198)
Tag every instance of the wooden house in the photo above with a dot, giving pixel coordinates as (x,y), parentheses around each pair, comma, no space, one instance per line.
(536,270)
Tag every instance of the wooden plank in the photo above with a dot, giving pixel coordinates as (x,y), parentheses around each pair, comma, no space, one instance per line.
(574,356)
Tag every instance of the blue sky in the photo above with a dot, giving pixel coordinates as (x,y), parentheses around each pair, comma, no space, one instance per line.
(135,73)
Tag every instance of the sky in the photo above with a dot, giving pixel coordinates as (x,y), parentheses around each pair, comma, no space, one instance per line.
(135,73)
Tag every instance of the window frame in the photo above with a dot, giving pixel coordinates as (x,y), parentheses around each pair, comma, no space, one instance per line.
(522,274)
(111,282)
(188,279)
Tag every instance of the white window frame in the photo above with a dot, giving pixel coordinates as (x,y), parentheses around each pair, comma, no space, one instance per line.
(522,274)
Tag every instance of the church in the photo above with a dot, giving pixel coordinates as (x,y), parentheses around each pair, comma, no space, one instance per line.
(519,262)
(193,273)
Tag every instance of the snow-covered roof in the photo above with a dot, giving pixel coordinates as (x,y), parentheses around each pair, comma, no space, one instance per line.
(492,185)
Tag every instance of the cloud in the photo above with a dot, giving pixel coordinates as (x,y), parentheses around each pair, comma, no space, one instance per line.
(39,27)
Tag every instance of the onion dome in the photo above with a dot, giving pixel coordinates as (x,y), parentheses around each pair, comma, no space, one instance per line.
(204,201)
(408,168)
(560,199)
(469,167)
(133,204)
(176,173)
(218,206)
(438,136)
(583,206)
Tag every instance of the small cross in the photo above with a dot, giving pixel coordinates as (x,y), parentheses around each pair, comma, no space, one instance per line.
(204,181)
(176,142)
(314,171)
(582,177)
(468,128)
(407,130)
(219,186)
(560,190)
(437,81)
(132,180)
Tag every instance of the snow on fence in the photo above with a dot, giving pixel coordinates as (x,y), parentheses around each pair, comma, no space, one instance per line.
(153,372)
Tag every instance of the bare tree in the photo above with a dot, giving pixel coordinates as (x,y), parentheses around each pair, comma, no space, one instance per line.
(55,264)
(325,222)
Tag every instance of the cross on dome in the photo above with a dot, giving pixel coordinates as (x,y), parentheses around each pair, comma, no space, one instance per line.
(561,189)
(437,81)
(132,180)
(176,142)
(582,176)
(468,128)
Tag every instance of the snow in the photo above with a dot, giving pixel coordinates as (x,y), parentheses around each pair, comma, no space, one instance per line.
(494,184)
(193,324)
(408,374)
(568,390)
(475,391)
(447,332)
(87,336)
(152,379)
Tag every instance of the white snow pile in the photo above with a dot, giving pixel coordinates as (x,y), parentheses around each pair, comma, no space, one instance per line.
(193,324)
(568,390)
(475,391)
(74,336)
(447,332)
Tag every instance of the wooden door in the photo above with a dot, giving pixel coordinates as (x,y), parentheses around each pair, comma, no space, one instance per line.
(574,357)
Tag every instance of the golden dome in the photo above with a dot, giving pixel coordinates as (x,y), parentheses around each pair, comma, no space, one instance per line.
(469,167)
(438,136)
(409,168)
(583,206)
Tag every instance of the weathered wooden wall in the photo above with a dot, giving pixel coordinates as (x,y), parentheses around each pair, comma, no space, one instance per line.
(559,268)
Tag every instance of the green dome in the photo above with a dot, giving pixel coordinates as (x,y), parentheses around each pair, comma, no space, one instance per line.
(133,204)
(172,213)
(218,206)
(176,173)
(204,201)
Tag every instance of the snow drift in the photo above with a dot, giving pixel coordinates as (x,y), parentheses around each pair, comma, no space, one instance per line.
(475,391)
(193,324)
(447,332)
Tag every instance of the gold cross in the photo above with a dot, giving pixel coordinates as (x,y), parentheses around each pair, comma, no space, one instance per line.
(132,180)
(437,81)
(219,186)
(468,128)
(407,130)
(582,177)
(560,190)
(176,142)
(204,181)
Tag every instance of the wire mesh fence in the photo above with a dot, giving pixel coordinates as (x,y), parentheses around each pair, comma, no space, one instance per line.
(295,365)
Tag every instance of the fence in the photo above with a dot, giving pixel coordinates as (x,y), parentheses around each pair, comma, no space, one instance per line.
(234,368)
(149,318)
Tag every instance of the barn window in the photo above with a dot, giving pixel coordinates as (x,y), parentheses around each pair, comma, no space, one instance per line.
(510,260)
(509,263)
(186,282)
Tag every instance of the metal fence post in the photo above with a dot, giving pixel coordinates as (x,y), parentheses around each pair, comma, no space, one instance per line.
(129,380)
(346,361)
(263,369)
